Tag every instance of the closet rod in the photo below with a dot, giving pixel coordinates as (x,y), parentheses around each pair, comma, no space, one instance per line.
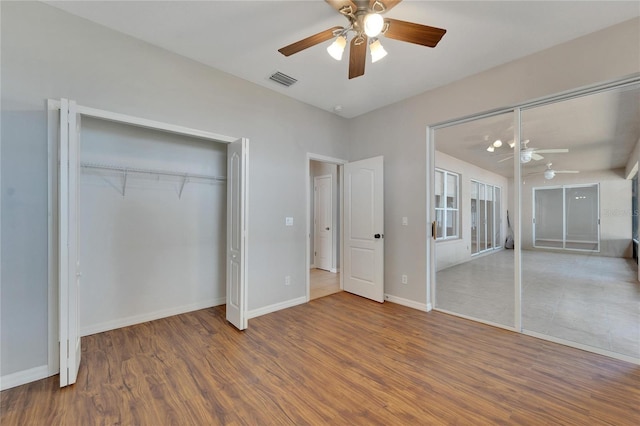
(151,172)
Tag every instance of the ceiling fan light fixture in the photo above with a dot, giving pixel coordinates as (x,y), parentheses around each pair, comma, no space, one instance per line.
(549,174)
(373,24)
(336,49)
(512,144)
(377,51)
(497,143)
(490,148)
(526,155)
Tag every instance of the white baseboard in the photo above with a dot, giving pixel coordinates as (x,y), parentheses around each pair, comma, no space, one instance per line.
(313,266)
(150,316)
(429,307)
(22,377)
(276,307)
(335,270)
(408,303)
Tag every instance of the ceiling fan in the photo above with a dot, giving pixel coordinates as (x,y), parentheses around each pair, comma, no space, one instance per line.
(527,154)
(365,26)
(549,173)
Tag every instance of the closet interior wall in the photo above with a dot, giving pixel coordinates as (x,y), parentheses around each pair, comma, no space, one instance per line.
(152,224)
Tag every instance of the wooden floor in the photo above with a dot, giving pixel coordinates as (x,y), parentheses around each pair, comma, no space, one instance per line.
(339,359)
(323,283)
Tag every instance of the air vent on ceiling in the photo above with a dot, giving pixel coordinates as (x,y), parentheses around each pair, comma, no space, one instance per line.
(283,79)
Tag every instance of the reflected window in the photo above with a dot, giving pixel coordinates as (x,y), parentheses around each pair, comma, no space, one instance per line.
(567,217)
(447,202)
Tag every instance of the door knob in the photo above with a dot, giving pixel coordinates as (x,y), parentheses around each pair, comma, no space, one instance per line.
(327,228)
(377,236)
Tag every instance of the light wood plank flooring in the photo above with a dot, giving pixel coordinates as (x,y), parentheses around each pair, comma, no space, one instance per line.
(339,360)
(323,283)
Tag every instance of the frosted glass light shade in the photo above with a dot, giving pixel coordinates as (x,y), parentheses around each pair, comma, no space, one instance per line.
(377,51)
(373,24)
(336,49)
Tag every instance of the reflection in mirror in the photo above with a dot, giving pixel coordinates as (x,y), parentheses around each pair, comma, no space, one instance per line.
(474,170)
(579,281)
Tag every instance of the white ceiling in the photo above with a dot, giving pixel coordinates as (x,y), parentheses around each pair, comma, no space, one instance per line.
(243,37)
(599,130)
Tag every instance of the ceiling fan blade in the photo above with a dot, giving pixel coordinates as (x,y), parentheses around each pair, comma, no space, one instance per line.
(388,5)
(506,158)
(309,41)
(339,4)
(413,33)
(537,157)
(566,171)
(551,151)
(357,57)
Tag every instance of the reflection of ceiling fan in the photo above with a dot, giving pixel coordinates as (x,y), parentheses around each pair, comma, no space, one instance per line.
(527,154)
(366,24)
(549,173)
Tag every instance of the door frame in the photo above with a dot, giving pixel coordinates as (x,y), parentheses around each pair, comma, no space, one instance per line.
(339,240)
(53,107)
(314,226)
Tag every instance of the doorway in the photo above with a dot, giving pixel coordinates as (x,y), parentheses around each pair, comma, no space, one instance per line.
(324,207)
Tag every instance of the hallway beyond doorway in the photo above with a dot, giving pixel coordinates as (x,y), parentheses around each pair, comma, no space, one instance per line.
(323,283)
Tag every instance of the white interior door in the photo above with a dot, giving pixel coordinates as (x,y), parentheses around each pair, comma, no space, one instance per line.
(237,159)
(323,186)
(364,228)
(69,265)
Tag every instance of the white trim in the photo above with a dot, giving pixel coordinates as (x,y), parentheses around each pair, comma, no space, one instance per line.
(53,356)
(334,270)
(276,307)
(151,316)
(425,307)
(152,124)
(586,348)
(25,376)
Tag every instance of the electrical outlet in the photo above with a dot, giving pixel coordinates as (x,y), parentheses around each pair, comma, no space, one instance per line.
(405,221)
(404,279)
(288,221)
(287,280)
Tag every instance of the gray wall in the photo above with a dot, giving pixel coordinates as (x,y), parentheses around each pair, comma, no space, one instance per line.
(47,53)
(398,131)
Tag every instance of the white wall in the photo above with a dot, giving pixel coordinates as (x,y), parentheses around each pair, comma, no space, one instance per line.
(615,208)
(153,251)
(47,53)
(452,252)
(398,131)
(319,168)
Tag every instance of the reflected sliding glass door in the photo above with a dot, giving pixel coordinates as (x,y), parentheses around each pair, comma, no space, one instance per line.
(485,217)
(467,219)
(567,218)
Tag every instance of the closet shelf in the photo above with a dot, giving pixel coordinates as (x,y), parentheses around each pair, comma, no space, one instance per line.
(186,177)
(151,171)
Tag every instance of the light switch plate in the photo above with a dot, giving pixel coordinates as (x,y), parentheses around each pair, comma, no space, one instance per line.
(288,221)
